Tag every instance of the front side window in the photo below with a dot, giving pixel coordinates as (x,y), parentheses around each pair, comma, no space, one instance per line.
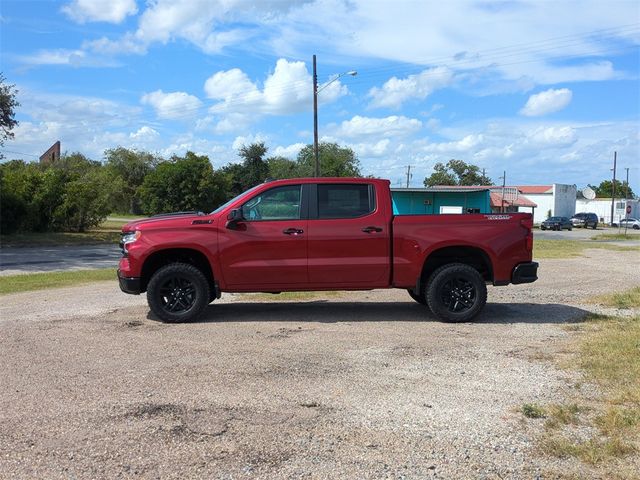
(345,200)
(280,203)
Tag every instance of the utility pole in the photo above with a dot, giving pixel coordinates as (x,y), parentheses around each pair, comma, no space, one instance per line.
(626,201)
(315,119)
(504,182)
(613,186)
(409,175)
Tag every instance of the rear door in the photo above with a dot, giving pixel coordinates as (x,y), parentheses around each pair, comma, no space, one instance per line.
(268,246)
(348,236)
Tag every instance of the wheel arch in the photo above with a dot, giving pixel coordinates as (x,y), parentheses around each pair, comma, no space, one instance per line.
(465,254)
(160,258)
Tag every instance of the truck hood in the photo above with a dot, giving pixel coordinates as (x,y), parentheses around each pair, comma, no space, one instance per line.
(172,220)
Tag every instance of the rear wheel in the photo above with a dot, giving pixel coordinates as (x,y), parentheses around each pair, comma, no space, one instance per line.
(456,293)
(178,292)
(420,298)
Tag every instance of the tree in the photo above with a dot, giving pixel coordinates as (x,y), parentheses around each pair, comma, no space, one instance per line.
(252,171)
(72,194)
(605,189)
(280,167)
(456,172)
(132,166)
(183,184)
(8,104)
(335,161)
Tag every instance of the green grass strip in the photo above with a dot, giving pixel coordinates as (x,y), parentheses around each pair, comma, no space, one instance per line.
(545,248)
(40,281)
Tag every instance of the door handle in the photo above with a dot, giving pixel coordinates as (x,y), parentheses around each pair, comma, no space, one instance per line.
(372,229)
(293,231)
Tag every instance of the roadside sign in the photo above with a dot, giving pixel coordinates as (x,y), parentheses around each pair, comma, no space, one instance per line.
(628,209)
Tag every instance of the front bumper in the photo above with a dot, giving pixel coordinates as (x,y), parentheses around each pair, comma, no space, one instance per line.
(129,284)
(525,273)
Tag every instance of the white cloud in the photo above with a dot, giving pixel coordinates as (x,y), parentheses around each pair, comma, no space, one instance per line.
(172,105)
(466,144)
(396,91)
(555,136)
(290,151)
(144,134)
(287,90)
(389,126)
(377,149)
(112,11)
(546,102)
(241,141)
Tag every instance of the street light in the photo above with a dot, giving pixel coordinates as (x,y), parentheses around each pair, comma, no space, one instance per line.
(317,90)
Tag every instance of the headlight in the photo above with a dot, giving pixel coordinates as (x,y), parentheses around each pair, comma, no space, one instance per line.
(128,238)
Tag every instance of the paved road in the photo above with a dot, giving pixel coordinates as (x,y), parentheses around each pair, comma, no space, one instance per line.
(15,260)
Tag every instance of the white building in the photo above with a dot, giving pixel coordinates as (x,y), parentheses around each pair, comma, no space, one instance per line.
(602,208)
(552,200)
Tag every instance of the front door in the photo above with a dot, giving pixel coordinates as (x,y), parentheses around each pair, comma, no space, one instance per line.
(268,246)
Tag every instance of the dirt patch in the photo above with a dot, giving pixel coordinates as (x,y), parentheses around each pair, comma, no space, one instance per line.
(360,385)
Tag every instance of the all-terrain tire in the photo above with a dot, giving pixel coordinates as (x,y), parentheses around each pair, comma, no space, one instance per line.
(456,292)
(178,292)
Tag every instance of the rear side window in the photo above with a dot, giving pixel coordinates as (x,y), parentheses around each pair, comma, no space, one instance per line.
(345,200)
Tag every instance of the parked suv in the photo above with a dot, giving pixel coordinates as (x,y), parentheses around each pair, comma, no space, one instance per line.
(585,220)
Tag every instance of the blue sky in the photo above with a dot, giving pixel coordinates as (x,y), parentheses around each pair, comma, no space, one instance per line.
(544,90)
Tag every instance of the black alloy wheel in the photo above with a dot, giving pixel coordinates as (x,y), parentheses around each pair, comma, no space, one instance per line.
(178,292)
(456,292)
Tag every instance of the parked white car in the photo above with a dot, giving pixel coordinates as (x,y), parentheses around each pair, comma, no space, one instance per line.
(629,223)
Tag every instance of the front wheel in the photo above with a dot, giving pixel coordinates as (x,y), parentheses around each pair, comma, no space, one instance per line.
(456,293)
(420,298)
(178,292)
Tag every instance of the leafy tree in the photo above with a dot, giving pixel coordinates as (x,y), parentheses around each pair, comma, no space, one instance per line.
(72,194)
(605,189)
(256,169)
(456,172)
(183,184)
(280,167)
(8,104)
(132,167)
(252,171)
(87,200)
(335,161)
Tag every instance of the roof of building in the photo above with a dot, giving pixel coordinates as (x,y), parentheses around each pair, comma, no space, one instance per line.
(534,189)
(444,189)
(520,201)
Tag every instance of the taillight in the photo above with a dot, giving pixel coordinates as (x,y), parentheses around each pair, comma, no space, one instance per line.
(527,224)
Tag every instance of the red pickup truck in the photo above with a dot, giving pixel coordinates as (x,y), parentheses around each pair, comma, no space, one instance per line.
(323,234)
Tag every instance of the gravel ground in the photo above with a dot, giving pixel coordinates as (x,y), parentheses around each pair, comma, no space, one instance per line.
(358,385)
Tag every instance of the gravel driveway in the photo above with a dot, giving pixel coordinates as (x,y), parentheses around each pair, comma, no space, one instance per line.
(358,385)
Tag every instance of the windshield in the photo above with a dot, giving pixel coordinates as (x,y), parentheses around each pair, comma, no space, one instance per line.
(555,219)
(224,205)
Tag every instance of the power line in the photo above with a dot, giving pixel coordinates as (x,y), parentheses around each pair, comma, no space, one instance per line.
(21,153)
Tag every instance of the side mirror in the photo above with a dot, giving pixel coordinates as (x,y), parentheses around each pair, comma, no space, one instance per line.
(233,218)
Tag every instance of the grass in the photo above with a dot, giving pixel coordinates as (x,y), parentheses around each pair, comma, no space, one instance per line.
(59,238)
(627,299)
(40,281)
(607,353)
(546,248)
(107,232)
(531,410)
(615,236)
